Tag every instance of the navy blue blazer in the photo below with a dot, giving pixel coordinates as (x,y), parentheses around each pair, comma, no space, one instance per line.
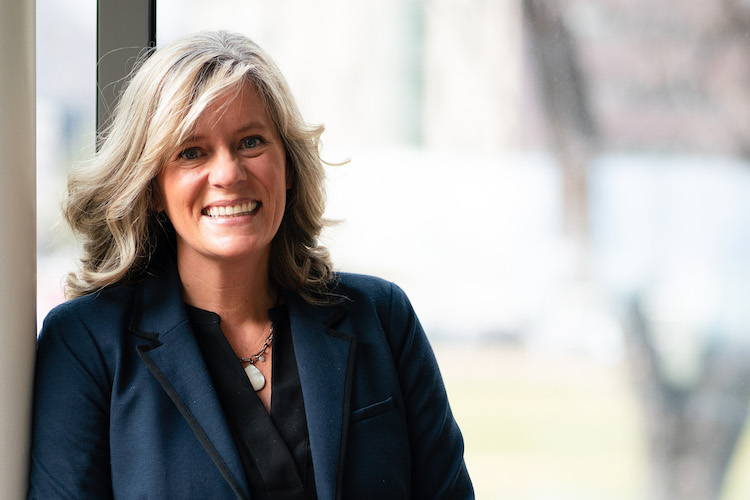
(124,406)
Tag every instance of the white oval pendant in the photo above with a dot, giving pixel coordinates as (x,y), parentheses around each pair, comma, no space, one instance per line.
(257,380)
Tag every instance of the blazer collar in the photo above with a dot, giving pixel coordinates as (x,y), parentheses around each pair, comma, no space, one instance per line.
(175,360)
(325,360)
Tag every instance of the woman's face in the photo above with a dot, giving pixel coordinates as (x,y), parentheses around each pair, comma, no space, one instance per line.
(224,188)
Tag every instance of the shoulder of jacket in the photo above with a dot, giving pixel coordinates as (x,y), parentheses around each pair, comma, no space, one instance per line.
(361,290)
(355,285)
(110,303)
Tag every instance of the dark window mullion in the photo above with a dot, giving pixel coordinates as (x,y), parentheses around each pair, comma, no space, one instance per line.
(124,30)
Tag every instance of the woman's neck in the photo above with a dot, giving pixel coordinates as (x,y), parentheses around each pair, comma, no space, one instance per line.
(239,291)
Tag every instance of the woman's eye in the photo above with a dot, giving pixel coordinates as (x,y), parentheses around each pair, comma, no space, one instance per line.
(251,142)
(189,154)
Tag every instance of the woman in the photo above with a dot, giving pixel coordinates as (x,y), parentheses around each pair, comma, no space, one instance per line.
(209,350)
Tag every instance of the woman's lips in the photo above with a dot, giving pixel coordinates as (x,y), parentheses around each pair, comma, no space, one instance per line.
(231,210)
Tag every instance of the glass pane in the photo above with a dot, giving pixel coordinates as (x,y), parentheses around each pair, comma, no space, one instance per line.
(66,102)
(560,187)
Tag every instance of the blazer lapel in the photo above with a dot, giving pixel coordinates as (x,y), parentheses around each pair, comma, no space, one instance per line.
(175,360)
(325,359)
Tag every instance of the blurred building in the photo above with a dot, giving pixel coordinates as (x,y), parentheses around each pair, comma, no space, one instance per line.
(668,76)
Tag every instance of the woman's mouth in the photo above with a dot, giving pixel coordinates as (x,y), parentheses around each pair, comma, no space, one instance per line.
(232,210)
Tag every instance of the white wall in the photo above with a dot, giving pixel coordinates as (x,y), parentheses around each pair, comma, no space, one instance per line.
(17,240)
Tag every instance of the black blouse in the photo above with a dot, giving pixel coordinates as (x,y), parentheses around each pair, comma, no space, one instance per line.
(275,448)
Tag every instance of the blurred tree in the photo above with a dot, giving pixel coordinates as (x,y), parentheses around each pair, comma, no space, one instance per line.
(693,419)
(571,127)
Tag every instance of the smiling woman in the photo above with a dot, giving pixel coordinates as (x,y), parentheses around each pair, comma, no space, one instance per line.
(207,190)
(235,160)
(181,92)
(209,350)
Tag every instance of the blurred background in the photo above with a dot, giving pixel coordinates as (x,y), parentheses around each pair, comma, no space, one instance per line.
(562,187)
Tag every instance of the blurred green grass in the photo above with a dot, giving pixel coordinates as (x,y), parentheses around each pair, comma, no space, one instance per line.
(546,426)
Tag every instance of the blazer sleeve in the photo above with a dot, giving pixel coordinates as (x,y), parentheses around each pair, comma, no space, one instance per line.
(70,446)
(438,468)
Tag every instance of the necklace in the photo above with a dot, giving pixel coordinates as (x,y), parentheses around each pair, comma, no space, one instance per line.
(257,380)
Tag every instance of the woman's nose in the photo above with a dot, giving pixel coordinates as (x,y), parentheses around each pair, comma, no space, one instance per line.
(226,170)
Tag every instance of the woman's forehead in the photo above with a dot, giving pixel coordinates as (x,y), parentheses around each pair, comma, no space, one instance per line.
(243,106)
(241,109)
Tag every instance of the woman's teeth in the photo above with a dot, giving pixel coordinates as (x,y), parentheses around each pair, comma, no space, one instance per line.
(232,210)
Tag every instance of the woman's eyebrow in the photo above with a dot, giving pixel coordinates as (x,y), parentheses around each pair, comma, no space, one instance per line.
(255,124)
(190,139)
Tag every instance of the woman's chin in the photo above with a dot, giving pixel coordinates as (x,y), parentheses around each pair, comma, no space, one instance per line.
(224,250)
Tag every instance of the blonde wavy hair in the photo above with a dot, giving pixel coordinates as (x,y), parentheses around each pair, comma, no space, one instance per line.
(109,200)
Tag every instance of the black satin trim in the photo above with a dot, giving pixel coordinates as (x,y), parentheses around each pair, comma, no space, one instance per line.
(192,422)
